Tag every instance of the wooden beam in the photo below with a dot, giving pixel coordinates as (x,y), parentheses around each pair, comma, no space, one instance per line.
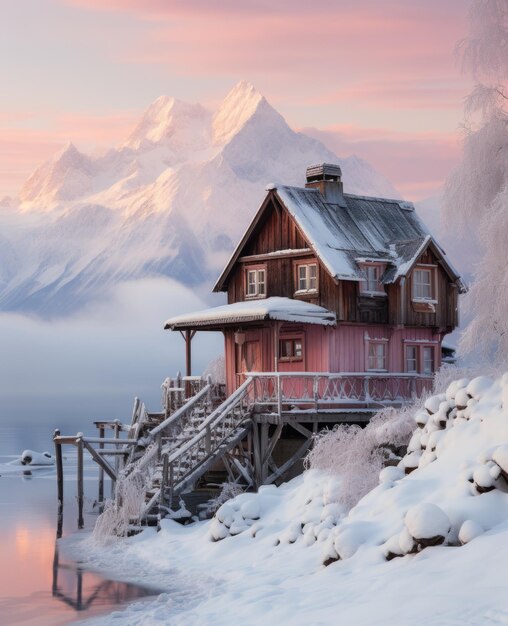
(301,429)
(289,463)
(102,463)
(273,442)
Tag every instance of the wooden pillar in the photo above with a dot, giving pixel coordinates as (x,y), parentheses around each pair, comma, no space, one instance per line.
(81,522)
(257,455)
(188,353)
(59,481)
(263,450)
(100,497)
(189,334)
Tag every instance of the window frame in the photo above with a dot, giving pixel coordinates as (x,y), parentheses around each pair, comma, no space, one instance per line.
(307,264)
(256,271)
(293,338)
(378,343)
(432,271)
(421,347)
(364,283)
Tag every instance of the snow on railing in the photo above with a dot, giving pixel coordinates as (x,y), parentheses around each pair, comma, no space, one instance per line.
(320,390)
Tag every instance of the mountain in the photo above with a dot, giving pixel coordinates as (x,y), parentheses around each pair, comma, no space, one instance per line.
(172,200)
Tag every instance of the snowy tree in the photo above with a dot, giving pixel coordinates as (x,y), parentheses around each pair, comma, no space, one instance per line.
(476,199)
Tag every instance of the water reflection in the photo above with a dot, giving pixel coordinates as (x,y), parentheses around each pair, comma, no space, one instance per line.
(80,589)
(38,585)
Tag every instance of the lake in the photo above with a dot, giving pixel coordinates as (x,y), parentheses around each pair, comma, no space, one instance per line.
(38,585)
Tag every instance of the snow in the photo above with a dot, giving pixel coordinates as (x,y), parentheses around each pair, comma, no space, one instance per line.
(274,308)
(29,457)
(307,561)
(427,520)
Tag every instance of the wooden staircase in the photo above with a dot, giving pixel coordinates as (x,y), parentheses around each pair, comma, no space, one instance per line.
(173,453)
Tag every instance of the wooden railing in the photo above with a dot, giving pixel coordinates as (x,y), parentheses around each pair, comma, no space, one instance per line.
(322,390)
(215,432)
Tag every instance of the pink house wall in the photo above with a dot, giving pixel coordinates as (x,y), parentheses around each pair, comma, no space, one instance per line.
(326,349)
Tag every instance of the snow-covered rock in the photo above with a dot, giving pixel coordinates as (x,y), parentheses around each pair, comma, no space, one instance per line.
(427,524)
(30,457)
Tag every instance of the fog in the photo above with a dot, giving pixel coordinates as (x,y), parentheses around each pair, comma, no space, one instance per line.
(66,372)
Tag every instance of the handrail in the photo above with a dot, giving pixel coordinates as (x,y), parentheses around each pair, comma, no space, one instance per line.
(371,374)
(181,411)
(229,404)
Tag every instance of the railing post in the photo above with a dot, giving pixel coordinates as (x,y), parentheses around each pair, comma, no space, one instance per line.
(163,484)
(413,386)
(59,480)
(171,483)
(81,522)
(279,395)
(178,394)
(208,439)
(315,391)
(366,389)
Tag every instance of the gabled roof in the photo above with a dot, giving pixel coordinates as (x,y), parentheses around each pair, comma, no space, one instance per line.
(275,308)
(366,228)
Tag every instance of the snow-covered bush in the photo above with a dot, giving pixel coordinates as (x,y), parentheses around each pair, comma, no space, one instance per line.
(227,492)
(216,369)
(358,454)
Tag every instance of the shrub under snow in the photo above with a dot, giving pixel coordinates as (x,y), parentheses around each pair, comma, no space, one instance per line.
(358,454)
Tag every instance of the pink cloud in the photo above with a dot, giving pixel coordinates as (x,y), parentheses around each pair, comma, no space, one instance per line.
(27,147)
(416,163)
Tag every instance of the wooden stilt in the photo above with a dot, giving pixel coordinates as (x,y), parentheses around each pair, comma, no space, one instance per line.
(100,497)
(263,450)
(257,455)
(81,522)
(59,482)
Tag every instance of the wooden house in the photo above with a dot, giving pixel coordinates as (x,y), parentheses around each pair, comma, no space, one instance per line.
(337,306)
(328,282)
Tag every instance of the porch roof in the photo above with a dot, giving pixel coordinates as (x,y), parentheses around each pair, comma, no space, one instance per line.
(275,308)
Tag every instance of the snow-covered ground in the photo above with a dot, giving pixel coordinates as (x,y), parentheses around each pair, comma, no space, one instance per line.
(260,560)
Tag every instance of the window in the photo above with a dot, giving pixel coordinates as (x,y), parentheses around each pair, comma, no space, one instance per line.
(428,360)
(377,356)
(306,277)
(255,279)
(291,349)
(371,282)
(422,284)
(412,359)
(420,359)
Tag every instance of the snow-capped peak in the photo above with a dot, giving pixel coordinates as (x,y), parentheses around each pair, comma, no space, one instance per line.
(236,109)
(164,119)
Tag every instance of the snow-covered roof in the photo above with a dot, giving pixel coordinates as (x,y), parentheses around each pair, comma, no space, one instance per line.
(275,308)
(362,227)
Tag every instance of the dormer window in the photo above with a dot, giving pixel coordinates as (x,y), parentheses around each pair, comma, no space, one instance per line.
(255,282)
(306,278)
(371,283)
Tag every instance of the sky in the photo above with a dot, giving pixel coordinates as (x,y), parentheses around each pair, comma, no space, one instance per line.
(374,78)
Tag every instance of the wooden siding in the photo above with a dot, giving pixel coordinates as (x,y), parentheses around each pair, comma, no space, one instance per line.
(327,349)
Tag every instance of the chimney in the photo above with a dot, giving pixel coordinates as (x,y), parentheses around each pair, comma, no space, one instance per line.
(327,177)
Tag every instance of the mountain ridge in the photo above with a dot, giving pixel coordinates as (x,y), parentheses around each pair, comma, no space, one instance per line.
(171,200)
